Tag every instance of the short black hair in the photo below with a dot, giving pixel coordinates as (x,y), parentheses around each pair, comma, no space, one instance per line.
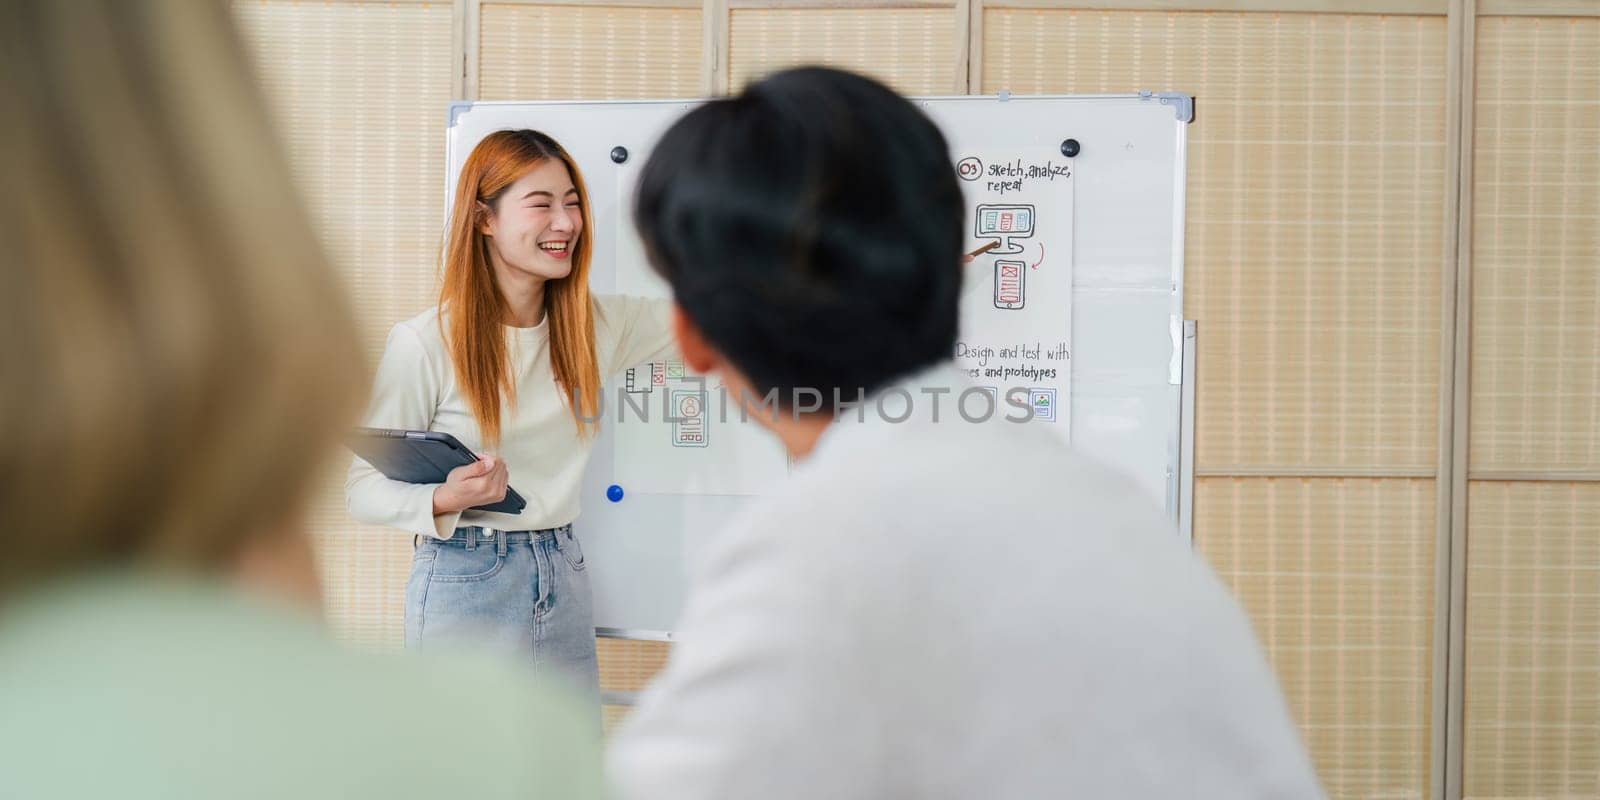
(811,229)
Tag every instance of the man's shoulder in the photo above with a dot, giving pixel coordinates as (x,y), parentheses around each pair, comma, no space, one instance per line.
(1020,465)
(890,490)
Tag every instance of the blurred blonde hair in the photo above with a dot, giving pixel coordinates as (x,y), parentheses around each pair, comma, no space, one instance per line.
(177,355)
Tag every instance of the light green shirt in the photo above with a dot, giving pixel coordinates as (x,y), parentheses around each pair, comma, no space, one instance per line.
(131,687)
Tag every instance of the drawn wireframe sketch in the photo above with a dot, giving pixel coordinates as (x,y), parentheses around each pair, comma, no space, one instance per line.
(631,382)
(1005,223)
(1010,284)
(689,423)
(1043,403)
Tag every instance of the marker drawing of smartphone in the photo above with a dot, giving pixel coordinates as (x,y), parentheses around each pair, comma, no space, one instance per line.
(1010,284)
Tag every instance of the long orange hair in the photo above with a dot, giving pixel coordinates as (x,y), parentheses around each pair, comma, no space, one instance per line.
(471,298)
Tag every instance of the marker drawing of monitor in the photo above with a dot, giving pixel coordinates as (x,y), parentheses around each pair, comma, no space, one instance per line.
(1005,223)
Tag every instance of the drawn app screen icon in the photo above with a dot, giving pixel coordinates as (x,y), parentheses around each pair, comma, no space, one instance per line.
(689,425)
(1005,223)
(1043,402)
(1008,284)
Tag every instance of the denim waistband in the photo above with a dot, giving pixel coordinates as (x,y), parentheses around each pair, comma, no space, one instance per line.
(470,536)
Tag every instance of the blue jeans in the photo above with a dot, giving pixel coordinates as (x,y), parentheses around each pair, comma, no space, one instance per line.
(522,593)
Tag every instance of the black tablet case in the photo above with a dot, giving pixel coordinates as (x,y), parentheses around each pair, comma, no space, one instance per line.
(422,457)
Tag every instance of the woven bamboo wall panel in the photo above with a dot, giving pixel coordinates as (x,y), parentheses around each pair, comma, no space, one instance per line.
(626,666)
(1315,218)
(1536,245)
(589,52)
(1533,641)
(611,717)
(1337,577)
(911,49)
(358,90)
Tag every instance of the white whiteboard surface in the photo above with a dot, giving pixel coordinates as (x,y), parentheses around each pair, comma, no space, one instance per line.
(1127,362)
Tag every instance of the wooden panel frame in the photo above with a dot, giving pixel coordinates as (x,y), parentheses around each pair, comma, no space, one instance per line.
(1538,8)
(1451,582)
(1424,8)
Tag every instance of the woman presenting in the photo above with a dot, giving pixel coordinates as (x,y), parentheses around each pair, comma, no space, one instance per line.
(510,363)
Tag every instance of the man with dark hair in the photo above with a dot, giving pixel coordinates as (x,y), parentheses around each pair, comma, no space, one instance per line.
(929,607)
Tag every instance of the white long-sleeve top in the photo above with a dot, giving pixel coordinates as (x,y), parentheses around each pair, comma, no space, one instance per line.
(954,610)
(415,389)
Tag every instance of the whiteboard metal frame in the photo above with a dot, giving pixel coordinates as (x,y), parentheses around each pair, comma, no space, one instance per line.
(1185,508)
(1180,463)
(635,634)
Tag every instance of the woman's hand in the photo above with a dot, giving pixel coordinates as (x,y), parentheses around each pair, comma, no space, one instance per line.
(479,483)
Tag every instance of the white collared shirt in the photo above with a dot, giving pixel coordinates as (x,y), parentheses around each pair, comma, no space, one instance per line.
(958,610)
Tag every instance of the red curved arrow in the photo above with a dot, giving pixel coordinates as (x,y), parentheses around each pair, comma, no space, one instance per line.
(1041,256)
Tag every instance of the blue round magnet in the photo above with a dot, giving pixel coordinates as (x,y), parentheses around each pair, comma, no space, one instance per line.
(614,494)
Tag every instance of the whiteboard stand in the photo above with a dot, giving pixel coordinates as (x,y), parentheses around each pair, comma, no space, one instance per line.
(1185,505)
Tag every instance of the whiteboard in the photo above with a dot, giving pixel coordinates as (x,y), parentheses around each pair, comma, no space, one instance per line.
(1131,352)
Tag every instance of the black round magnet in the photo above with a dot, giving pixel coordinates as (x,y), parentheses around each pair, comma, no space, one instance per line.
(1070,148)
(619,154)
